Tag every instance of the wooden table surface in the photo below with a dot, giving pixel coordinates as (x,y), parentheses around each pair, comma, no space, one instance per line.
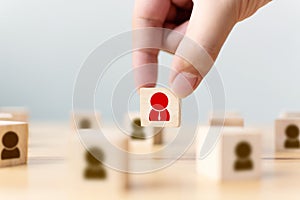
(49,174)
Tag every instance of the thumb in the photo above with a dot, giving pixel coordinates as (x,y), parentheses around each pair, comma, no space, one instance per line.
(209,26)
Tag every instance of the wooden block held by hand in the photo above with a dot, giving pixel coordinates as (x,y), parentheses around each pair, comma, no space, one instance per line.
(236,156)
(159,107)
(287,132)
(14,145)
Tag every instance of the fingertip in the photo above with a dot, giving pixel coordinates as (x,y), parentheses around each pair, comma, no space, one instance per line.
(145,75)
(184,84)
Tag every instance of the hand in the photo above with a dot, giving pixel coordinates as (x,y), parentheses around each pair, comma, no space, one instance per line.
(207,22)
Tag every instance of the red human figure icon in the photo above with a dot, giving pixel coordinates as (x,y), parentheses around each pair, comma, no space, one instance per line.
(159,102)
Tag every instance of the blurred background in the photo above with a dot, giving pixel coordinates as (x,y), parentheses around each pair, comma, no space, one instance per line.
(44,43)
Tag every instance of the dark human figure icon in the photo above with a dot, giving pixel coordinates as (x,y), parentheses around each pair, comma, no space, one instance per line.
(243,161)
(159,102)
(138,130)
(292,140)
(95,169)
(10,141)
(85,124)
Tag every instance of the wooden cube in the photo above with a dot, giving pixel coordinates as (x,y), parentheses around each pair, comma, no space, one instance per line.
(132,126)
(287,132)
(14,114)
(85,120)
(289,115)
(14,145)
(140,137)
(96,162)
(236,155)
(159,107)
(229,119)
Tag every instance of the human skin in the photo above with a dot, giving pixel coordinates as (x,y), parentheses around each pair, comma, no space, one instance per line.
(206,22)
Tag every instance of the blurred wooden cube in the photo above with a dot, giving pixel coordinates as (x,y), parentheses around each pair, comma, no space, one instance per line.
(85,120)
(228,119)
(287,128)
(99,160)
(14,145)
(140,146)
(14,114)
(236,156)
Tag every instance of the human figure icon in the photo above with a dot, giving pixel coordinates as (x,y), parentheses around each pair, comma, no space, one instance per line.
(243,161)
(85,124)
(159,102)
(95,169)
(292,140)
(138,130)
(10,141)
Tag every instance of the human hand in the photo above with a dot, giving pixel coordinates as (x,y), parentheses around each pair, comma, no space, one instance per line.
(206,22)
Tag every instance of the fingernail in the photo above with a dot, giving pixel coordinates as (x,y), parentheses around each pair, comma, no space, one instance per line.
(184,84)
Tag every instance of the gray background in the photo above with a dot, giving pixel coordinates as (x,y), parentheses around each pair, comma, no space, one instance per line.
(43,43)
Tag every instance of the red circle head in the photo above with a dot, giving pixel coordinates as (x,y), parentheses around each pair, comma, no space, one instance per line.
(159,101)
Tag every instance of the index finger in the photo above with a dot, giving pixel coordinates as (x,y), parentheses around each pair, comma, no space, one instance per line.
(147,13)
